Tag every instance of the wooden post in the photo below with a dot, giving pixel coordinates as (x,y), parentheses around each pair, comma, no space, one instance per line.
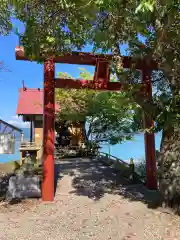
(102,71)
(48,131)
(22,137)
(149,138)
(31,130)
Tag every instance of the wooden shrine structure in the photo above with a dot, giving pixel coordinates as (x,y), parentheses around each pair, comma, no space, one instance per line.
(100,82)
(30,108)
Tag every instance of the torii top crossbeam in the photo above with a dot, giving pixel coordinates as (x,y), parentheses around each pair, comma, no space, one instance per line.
(86,58)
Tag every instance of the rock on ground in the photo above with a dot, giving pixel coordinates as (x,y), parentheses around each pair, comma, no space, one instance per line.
(90,203)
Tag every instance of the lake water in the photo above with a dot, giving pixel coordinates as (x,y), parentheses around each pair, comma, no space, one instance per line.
(124,151)
(131,149)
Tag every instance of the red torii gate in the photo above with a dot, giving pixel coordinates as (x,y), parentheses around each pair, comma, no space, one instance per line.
(100,82)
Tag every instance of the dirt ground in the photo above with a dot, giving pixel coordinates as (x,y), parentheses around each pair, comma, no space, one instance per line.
(91,202)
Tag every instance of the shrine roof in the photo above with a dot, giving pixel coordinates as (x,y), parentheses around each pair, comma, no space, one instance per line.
(30,102)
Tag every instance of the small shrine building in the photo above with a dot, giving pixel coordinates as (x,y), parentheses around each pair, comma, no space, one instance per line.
(30,108)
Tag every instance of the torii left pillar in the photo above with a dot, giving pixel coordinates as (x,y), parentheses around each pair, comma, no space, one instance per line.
(48,131)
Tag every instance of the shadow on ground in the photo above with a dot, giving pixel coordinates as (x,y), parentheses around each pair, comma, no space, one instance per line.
(93,179)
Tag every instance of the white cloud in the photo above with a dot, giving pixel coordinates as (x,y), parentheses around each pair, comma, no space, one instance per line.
(17,121)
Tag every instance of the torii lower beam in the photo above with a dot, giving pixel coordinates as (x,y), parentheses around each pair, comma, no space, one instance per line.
(88,84)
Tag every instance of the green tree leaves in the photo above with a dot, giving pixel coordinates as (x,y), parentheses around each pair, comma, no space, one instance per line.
(145,5)
(5,14)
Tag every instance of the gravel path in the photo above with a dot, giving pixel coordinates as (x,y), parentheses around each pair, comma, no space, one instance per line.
(90,204)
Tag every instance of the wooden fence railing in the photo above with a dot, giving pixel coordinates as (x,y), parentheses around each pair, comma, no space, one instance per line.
(113,158)
(126,169)
(29,145)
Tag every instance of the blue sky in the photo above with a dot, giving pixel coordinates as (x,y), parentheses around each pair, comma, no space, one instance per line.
(30,72)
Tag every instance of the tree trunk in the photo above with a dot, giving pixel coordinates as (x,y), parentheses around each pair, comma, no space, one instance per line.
(84,134)
(169,168)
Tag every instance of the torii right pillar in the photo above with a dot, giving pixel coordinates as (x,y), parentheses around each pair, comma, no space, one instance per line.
(149,138)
